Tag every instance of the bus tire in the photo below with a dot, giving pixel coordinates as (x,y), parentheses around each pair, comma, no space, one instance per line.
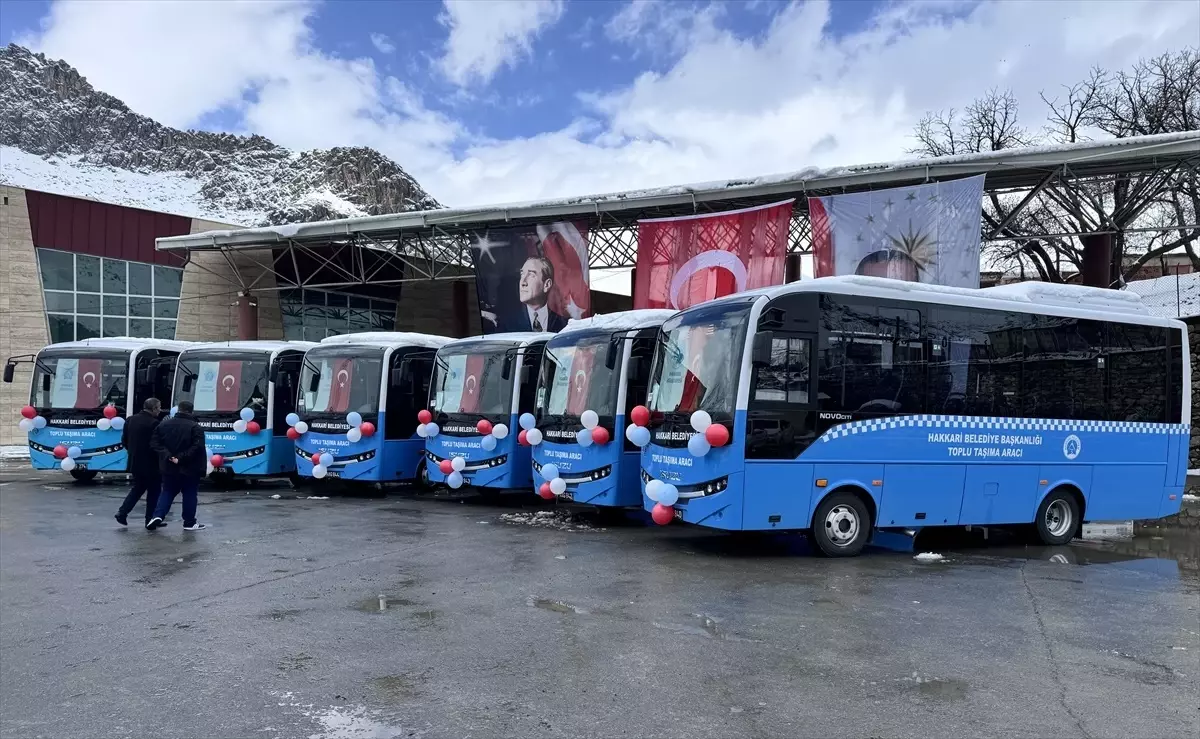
(841,525)
(1058,519)
(83,475)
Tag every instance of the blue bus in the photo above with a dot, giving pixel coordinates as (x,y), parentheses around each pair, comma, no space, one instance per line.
(847,406)
(481,387)
(602,365)
(242,391)
(81,394)
(356,416)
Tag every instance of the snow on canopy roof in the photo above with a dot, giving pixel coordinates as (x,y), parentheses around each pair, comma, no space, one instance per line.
(624,321)
(1172,296)
(516,338)
(389,338)
(124,343)
(244,346)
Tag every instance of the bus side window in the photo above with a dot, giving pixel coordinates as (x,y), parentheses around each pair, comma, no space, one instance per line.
(786,378)
(145,381)
(528,388)
(405,401)
(286,381)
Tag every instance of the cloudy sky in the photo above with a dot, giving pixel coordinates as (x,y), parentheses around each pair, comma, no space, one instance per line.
(511,100)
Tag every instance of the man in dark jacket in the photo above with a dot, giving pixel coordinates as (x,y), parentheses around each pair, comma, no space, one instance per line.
(143,462)
(179,443)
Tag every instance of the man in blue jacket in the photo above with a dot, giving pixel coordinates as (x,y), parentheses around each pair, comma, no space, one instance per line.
(179,443)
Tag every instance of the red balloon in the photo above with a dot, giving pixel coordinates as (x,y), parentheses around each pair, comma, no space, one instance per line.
(110,411)
(545,491)
(445,466)
(717,435)
(366,428)
(424,416)
(252,427)
(217,460)
(600,435)
(484,427)
(60,451)
(522,438)
(316,458)
(662,514)
(640,415)
(29,411)
(293,434)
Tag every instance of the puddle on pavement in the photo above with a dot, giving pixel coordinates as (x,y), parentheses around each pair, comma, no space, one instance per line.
(398,688)
(426,617)
(941,690)
(557,606)
(371,604)
(701,625)
(282,614)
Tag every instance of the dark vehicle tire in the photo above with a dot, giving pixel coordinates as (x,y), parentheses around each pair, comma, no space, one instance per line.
(83,475)
(841,525)
(1058,519)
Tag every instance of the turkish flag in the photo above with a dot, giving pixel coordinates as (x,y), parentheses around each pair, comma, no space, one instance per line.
(688,260)
(88,391)
(339,389)
(472,384)
(693,385)
(565,245)
(581,373)
(229,385)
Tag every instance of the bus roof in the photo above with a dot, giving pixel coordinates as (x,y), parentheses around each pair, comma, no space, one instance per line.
(262,346)
(122,343)
(388,338)
(515,338)
(628,320)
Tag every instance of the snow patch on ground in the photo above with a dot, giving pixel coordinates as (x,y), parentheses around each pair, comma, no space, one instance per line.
(561,520)
(1191,498)
(346,722)
(929,557)
(317,497)
(14,452)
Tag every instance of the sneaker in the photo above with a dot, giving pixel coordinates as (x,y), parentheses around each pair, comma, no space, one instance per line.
(195,527)
(153,523)
(162,525)
(121,519)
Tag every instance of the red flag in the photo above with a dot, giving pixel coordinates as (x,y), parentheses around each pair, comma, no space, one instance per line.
(581,373)
(343,381)
(693,387)
(471,384)
(229,385)
(565,245)
(688,260)
(88,391)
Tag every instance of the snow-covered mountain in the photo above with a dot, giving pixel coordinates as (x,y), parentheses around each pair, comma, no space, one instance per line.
(59,134)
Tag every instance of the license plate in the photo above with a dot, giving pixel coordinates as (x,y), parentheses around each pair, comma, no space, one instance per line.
(678,514)
(567,495)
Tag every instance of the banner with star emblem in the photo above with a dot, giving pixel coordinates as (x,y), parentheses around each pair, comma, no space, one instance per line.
(531,278)
(924,233)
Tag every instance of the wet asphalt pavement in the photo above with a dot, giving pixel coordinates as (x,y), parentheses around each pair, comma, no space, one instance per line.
(268,625)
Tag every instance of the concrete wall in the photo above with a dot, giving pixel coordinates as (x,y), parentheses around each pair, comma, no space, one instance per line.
(23,328)
(429,306)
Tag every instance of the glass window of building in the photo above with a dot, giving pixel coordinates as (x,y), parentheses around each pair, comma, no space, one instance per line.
(312,315)
(89,297)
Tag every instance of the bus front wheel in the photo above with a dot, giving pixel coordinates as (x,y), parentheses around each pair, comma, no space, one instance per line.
(1057,519)
(84,475)
(842,525)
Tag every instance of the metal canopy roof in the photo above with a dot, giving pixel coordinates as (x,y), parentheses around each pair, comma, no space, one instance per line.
(1012,169)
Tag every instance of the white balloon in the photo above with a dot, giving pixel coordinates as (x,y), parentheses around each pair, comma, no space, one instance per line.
(488,443)
(584,437)
(458,464)
(74,452)
(239,426)
(39,422)
(421,431)
(292,419)
(26,425)
(641,436)
(653,487)
(431,429)
(326,459)
(701,421)
(454,480)
(354,418)
(668,495)
(302,427)
(550,471)
(533,436)
(590,419)
(319,471)
(104,424)
(500,431)
(698,445)
(629,431)
(354,434)
(67,464)
(527,421)
(558,486)
(246,414)
(118,423)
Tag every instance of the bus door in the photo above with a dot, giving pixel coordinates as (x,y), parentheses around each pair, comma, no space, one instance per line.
(408,390)
(285,376)
(154,377)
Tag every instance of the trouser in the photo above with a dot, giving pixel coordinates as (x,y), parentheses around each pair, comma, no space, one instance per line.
(173,485)
(142,485)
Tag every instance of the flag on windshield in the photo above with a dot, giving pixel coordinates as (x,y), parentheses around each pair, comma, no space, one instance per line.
(90,384)
(229,387)
(581,372)
(341,384)
(471,384)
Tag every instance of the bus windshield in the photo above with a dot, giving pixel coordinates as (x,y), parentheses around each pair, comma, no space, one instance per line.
(575,378)
(223,381)
(81,381)
(472,383)
(342,380)
(698,361)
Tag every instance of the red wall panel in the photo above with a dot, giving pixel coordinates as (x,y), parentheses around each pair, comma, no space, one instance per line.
(100,229)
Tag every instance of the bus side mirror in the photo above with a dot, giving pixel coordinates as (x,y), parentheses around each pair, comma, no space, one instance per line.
(636,366)
(9,369)
(761,354)
(45,383)
(506,367)
(273,375)
(187,383)
(610,357)
(314,382)
(524,374)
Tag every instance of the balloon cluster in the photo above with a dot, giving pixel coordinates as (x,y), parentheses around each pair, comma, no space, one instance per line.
(665,496)
(427,429)
(31,420)
(452,468)
(215,462)
(68,455)
(529,435)
(491,434)
(321,463)
(637,433)
(708,434)
(111,420)
(296,427)
(554,484)
(246,423)
(359,428)
(592,432)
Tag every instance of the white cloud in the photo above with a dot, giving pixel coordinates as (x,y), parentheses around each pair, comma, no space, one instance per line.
(382,43)
(663,28)
(485,36)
